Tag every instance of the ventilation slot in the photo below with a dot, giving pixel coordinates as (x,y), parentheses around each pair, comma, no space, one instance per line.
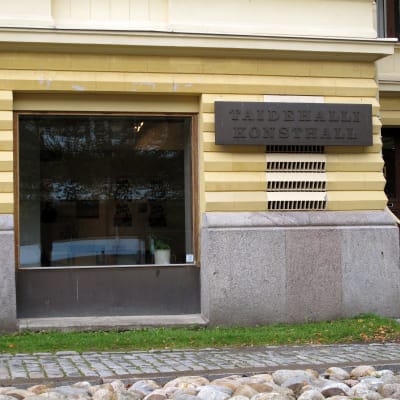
(295,149)
(296,186)
(296,205)
(296,166)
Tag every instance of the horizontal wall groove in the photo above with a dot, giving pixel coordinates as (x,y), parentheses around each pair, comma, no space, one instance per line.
(182,83)
(184,65)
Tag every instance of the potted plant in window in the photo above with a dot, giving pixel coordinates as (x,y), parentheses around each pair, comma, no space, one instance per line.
(162,252)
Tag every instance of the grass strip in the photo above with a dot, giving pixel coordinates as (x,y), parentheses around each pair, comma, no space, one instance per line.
(365,328)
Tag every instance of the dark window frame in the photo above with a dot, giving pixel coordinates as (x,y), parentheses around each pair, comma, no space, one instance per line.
(388,18)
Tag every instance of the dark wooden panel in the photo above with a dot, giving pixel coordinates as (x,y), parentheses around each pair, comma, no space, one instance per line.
(108,291)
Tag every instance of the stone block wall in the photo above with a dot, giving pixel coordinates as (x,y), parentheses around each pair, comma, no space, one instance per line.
(262,268)
(8,314)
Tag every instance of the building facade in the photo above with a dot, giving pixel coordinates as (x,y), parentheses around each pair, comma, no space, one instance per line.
(118,198)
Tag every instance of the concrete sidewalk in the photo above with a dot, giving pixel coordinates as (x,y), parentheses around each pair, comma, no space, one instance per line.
(70,366)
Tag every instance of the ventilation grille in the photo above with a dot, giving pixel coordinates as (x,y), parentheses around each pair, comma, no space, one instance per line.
(296,182)
(296,166)
(296,178)
(296,201)
(296,205)
(296,162)
(296,186)
(295,149)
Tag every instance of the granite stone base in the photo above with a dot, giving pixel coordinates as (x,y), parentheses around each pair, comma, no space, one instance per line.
(8,314)
(261,268)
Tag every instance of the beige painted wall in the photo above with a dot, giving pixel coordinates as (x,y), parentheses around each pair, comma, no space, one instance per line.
(24,13)
(331,18)
(389,67)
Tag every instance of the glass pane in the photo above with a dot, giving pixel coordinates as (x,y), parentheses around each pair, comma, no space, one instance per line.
(389,154)
(103,190)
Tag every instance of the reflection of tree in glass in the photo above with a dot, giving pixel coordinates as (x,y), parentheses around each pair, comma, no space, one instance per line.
(82,157)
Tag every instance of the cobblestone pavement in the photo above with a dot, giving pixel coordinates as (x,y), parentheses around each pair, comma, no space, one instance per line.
(70,365)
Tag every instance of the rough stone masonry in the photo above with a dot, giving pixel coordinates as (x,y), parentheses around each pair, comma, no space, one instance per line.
(362,382)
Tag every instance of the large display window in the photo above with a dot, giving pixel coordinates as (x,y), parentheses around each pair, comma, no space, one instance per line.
(103,190)
(391,157)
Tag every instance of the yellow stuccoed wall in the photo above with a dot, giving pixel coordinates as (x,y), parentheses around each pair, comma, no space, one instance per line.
(235,177)
(231,178)
(390,109)
(6,153)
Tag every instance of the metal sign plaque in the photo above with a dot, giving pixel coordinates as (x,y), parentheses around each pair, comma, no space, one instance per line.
(293,124)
